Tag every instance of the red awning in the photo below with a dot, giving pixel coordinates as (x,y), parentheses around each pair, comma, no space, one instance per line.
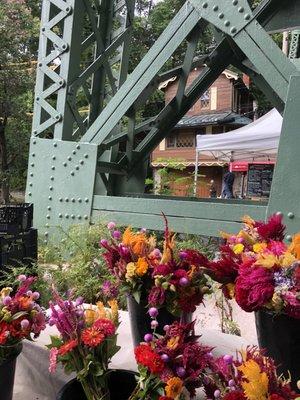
(242,166)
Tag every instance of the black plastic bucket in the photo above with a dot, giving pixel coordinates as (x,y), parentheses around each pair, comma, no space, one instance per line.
(280,336)
(140,321)
(7,371)
(121,384)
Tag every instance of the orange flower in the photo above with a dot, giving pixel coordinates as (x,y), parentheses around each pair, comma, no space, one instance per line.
(67,347)
(295,246)
(141,266)
(92,337)
(137,241)
(174,387)
(25,302)
(169,245)
(173,342)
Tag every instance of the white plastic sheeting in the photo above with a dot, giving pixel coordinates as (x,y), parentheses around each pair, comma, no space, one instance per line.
(257,141)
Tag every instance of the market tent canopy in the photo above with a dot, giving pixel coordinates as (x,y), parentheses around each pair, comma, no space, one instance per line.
(257,141)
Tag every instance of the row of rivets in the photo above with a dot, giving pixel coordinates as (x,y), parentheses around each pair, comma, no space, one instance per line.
(72,216)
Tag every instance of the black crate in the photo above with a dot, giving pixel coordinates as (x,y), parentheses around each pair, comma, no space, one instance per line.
(15,218)
(18,250)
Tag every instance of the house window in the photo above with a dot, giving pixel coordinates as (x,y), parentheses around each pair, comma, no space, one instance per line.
(205,99)
(171,141)
(180,141)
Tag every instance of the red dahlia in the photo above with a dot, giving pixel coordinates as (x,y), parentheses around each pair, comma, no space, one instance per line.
(105,326)
(67,347)
(144,355)
(92,337)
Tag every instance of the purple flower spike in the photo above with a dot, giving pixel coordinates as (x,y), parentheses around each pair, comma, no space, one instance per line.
(148,337)
(153,312)
(183,281)
(228,359)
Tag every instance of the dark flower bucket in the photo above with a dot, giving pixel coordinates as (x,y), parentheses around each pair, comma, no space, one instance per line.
(280,336)
(7,372)
(140,321)
(121,384)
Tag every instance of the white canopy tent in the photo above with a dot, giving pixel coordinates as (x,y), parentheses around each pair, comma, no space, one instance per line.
(257,141)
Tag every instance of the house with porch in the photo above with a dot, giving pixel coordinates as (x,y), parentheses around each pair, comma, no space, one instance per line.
(225,106)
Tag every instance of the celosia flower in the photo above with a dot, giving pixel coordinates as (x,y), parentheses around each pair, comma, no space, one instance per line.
(255,382)
(130,271)
(92,337)
(141,266)
(254,288)
(67,347)
(273,229)
(136,241)
(295,246)
(174,387)
(156,296)
(147,357)
(165,398)
(292,304)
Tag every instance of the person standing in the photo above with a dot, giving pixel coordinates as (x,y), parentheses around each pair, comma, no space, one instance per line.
(228,181)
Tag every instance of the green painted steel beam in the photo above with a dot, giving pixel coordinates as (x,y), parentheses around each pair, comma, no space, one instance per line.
(151,64)
(184,215)
(285,190)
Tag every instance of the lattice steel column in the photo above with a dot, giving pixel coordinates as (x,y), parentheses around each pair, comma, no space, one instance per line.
(295,45)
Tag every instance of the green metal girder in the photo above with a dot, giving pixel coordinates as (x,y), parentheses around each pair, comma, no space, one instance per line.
(185,215)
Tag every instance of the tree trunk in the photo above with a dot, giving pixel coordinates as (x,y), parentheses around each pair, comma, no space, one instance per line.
(3,163)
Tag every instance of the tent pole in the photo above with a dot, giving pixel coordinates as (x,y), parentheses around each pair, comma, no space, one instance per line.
(196,173)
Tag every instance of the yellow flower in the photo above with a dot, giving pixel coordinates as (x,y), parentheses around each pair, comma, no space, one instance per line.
(90,315)
(247,238)
(259,247)
(256,384)
(248,221)
(225,235)
(238,248)
(174,387)
(295,246)
(267,260)
(130,271)
(287,259)
(113,304)
(102,312)
(141,266)
(173,343)
(6,292)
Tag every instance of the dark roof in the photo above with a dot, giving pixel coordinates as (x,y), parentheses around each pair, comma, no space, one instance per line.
(228,118)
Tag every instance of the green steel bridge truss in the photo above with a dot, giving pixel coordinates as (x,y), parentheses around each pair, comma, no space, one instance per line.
(84,165)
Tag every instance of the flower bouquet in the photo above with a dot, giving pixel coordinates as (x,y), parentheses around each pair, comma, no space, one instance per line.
(20,318)
(259,270)
(86,343)
(171,366)
(164,278)
(251,376)
(262,273)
